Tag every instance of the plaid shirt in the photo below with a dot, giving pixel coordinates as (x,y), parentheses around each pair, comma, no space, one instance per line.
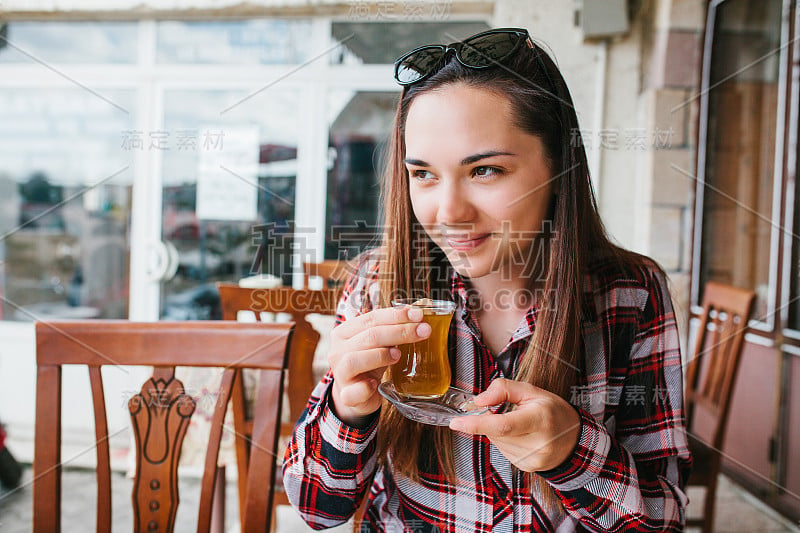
(626,472)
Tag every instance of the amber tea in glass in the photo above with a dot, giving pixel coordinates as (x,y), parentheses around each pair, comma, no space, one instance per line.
(423,370)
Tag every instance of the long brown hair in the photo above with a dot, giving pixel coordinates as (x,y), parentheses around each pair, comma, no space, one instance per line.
(542,106)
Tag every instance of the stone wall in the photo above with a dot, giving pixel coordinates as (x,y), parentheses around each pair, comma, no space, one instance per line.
(670,101)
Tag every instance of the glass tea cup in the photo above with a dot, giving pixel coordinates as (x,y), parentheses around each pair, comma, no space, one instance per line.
(423,370)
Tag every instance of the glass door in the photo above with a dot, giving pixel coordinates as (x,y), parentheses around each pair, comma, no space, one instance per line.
(228,193)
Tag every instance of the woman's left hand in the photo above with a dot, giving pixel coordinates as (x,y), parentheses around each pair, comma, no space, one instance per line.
(539,434)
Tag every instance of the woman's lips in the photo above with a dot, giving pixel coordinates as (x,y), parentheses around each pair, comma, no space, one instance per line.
(462,244)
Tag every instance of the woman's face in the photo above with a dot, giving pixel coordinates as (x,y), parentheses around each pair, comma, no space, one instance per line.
(479,185)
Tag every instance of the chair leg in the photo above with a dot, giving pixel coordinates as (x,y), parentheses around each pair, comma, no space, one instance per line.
(218,502)
(709,504)
(243,434)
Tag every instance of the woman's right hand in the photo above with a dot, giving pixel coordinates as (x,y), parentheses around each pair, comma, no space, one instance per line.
(361,349)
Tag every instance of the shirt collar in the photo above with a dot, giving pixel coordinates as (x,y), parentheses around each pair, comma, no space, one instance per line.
(460,291)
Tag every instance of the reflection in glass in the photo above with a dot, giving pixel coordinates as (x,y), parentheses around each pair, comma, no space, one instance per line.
(227,250)
(68,42)
(383,42)
(359,130)
(743,102)
(237,42)
(65,200)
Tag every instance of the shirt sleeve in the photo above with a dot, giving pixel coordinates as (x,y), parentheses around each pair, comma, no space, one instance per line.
(328,465)
(628,473)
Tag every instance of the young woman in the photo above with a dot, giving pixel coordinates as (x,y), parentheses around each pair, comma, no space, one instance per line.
(487,201)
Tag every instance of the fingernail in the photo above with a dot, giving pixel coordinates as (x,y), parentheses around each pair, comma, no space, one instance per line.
(424,329)
(394,353)
(415,314)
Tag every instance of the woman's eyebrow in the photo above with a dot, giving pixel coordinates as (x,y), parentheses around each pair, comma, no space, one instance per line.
(466,161)
(477,157)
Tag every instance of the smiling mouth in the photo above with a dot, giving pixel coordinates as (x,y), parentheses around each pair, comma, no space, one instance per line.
(465,244)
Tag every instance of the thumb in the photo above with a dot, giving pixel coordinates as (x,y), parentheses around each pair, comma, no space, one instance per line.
(507,390)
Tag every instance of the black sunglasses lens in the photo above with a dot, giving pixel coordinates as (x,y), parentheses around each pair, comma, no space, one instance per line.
(487,50)
(418,64)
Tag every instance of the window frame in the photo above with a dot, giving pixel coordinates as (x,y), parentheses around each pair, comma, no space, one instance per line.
(777,274)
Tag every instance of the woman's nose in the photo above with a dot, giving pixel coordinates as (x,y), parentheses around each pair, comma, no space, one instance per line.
(455,205)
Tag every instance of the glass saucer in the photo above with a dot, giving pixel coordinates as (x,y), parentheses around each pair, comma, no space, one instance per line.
(434,411)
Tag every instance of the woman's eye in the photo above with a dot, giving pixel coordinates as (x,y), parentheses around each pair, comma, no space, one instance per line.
(486,172)
(421,175)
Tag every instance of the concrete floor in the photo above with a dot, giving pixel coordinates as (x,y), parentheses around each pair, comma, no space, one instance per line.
(78,493)
(737,510)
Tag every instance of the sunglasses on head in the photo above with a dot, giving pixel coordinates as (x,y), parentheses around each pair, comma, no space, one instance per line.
(482,50)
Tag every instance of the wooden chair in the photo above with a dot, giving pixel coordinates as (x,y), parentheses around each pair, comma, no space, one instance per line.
(160,413)
(709,385)
(333,273)
(300,379)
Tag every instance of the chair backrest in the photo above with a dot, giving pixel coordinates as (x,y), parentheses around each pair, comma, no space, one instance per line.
(298,303)
(332,272)
(711,373)
(160,413)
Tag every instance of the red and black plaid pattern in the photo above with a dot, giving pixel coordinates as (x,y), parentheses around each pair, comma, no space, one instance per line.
(627,470)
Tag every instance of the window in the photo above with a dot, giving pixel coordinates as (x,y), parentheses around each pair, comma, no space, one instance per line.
(740,151)
(65,203)
(68,42)
(244,42)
